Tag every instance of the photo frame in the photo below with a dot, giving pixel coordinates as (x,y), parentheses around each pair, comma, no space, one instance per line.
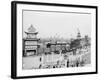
(50,39)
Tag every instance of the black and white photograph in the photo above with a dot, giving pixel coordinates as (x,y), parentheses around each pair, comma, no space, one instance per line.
(55,39)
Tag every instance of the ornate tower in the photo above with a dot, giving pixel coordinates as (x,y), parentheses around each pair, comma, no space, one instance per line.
(31,42)
(78,34)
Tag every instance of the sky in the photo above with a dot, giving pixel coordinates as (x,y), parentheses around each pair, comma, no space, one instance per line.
(55,24)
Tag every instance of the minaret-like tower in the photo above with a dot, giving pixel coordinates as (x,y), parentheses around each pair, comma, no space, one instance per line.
(31,42)
(78,34)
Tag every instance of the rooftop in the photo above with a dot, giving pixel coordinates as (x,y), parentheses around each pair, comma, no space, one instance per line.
(31,30)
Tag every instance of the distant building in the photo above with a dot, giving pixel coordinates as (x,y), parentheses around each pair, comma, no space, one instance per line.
(75,43)
(78,35)
(30,43)
(58,46)
(85,41)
